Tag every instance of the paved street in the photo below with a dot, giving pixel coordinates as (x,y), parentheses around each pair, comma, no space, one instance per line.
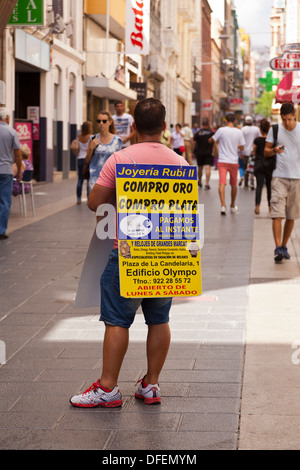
(231,379)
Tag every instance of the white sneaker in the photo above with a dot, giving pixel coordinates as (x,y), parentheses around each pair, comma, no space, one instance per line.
(234,209)
(95,396)
(150,394)
(223,210)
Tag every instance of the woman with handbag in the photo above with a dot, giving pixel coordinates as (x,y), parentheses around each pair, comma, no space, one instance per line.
(261,173)
(79,148)
(101,146)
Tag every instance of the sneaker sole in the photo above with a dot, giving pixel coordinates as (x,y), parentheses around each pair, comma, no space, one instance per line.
(112,404)
(278,258)
(149,401)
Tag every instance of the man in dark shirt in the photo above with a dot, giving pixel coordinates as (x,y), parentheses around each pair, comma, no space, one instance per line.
(203,152)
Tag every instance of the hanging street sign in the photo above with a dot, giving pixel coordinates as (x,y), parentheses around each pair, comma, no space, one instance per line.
(27,13)
(137,30)
(289,60)
(231,81)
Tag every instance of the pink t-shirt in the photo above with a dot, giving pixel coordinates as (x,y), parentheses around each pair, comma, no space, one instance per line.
(151,153)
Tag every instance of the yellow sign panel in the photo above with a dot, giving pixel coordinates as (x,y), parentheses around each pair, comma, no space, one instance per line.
(158,230)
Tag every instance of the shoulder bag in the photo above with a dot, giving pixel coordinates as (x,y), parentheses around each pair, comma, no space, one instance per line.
(269,163)
(86,166)
(74,147)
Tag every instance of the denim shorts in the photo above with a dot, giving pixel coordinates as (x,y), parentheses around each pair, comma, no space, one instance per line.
(120,311)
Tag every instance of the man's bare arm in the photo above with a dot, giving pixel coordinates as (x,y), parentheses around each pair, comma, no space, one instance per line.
(270,151)
(18,162)
(100,195)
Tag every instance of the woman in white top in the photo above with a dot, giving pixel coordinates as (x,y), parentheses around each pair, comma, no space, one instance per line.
(83,141)
(177,140)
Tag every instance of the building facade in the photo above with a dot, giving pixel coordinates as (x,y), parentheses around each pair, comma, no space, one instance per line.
(44,85)
(73,64)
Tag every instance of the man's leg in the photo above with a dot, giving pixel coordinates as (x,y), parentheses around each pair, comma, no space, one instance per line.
(276,225)
(233,195)
(222,194)
(287,231)
(200,172)
(188,146)
(207,174)
(6,184)
(158,342)
(114,349)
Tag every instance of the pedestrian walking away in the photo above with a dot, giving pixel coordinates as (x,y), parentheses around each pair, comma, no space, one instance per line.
(231,141)
(285,185)
(101,146)
(188,142)
(80,147)
(123,123)
(203,152)
(250,133)
(9,153)
(195,128)
(261,172)
(118,312)
(241,169)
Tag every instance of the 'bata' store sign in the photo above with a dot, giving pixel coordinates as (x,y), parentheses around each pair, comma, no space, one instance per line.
(137,27)
(288,62)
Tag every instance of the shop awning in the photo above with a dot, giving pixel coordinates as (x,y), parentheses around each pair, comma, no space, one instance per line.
(286,89)
(109,88)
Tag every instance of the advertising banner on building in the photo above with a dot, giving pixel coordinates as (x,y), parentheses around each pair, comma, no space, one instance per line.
(158,230)
(24,130)
(137,32)
(207,105)
(33,114)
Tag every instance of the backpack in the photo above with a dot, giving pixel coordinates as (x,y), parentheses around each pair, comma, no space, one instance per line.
(269,163)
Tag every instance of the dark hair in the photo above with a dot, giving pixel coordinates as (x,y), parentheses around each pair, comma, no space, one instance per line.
(149,116)
(118,102)
(230,117)
(205,121)
(287,108)
(86,128)
(265,126)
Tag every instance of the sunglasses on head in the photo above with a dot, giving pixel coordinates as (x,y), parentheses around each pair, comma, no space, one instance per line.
(102,120)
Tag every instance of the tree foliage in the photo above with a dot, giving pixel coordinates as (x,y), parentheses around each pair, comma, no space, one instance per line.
(264,103)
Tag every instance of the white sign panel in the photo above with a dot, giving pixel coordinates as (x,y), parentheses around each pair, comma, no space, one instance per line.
(137,32)
(291,33)
(287,62)
(207,105)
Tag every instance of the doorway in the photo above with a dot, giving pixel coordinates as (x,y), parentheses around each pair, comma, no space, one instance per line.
(27,94)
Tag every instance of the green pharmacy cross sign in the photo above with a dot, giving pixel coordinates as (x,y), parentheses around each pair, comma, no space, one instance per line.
(269,81)
(27,13)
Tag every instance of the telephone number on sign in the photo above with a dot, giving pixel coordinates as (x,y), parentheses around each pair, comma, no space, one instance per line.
(170,280)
